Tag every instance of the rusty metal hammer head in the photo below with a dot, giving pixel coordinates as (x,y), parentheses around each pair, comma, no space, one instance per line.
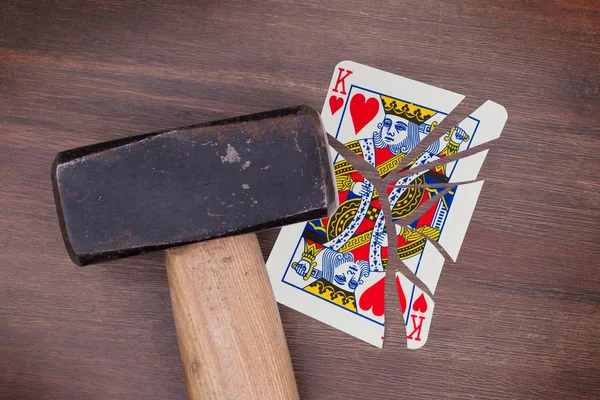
(175,187)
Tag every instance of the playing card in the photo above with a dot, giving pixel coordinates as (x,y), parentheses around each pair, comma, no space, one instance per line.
(333,269)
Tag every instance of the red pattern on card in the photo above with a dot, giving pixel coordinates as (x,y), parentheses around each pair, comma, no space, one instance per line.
(362,111)
(335,103)
(420,305)
(373,298)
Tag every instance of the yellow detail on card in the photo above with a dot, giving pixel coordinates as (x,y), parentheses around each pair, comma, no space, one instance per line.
(330,292)
(357,241)
(409,111)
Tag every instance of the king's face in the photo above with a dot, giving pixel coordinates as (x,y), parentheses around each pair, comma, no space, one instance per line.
(395,130)
(347,276)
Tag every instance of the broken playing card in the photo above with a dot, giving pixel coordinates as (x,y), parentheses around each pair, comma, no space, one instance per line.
(333,269)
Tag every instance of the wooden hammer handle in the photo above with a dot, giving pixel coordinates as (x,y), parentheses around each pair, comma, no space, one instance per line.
(230,336)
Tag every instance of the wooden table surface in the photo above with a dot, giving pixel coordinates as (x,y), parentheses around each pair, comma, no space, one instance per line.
(516,317)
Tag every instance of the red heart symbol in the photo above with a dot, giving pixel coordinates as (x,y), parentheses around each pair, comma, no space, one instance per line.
(373,298)
(401,295)
(335,103)
(420,304)
(362,111)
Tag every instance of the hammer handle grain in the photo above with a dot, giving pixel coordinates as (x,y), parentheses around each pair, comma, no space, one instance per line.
(230,335)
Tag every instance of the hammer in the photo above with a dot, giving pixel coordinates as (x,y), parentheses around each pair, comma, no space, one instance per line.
(177,189)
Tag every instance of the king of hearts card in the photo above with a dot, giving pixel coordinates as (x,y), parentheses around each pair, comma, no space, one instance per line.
(333,268)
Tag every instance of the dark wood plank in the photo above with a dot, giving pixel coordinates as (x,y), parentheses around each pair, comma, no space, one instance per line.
(516,316)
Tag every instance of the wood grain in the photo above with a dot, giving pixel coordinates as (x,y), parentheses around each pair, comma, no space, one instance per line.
(231,340)
(516,316)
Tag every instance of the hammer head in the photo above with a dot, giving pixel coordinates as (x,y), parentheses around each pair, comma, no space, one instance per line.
(170,188)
